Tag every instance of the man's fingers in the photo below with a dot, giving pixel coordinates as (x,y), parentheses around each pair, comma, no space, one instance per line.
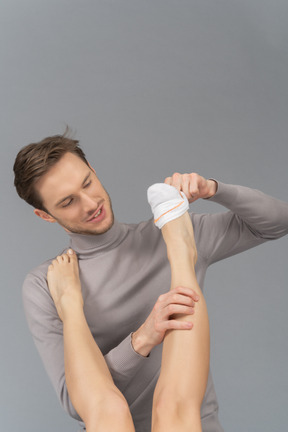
(193,185)
(174,325)
(173,309)
(186,186)
(194,180)
(186,291)
(173,299)
(179,295)
(181,299)
(176,181)
(179,325)
(168,180)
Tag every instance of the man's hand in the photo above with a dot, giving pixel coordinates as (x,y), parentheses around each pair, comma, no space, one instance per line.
(193,185)
(177,301)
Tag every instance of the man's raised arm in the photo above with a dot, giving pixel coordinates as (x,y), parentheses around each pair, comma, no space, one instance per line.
(254,217)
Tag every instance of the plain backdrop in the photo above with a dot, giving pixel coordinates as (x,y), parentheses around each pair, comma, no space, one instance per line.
(150,88)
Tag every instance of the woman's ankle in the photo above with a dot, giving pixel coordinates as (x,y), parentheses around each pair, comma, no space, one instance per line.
(179,238)
(179,233)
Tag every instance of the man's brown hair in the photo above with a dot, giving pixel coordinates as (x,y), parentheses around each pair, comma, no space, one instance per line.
(34,160)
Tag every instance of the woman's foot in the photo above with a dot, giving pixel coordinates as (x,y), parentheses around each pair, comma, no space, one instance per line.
(64,283)
(169,208)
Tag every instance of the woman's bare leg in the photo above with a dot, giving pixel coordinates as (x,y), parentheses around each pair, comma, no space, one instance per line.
(185,360)
(97,400)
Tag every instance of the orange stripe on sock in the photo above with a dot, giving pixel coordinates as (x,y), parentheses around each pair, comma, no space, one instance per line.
(178,205)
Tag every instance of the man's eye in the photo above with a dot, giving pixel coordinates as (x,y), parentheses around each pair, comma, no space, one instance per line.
(68,203)
(87,184)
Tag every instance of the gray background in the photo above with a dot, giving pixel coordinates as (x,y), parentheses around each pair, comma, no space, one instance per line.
(150,88)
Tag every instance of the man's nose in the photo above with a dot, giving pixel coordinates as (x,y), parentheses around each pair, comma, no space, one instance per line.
(88,203)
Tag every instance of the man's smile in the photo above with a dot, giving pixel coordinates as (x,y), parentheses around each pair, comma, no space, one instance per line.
(98,215)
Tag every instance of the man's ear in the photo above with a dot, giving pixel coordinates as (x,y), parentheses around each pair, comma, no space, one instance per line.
(45,216)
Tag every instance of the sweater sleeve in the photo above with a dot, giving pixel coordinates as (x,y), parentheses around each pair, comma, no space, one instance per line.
(47,332)
(252,219)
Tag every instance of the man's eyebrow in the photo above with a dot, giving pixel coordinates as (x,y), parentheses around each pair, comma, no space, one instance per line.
(69,196)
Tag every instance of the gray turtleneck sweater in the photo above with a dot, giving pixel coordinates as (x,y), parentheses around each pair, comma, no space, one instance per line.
(123,272)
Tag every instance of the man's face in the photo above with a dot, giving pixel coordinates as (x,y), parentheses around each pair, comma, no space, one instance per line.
(75,198)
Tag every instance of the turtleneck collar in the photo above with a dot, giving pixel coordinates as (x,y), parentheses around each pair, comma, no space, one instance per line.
(85,244)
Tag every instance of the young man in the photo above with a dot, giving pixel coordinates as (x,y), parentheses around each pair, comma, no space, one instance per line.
(124,270)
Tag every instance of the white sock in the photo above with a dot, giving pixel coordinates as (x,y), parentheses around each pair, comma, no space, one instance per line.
(166,203)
